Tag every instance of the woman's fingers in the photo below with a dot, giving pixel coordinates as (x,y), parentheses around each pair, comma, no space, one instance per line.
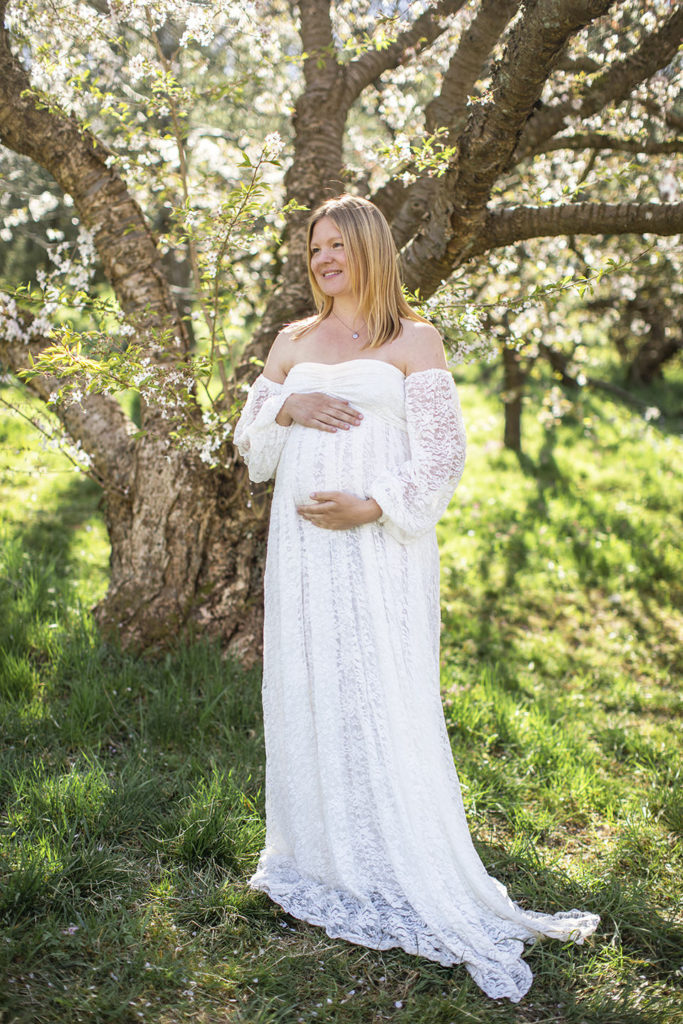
(322,412)
(328,496)
(332,510)
(335,421)
(332,412)
(345,412)
(319,510)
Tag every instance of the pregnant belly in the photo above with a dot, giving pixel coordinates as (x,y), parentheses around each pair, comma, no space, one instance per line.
(314,460)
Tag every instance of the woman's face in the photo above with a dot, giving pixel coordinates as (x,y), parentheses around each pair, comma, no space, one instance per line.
(328,259)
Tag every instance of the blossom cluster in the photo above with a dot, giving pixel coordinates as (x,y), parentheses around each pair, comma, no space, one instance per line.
(15,326)
(463,326)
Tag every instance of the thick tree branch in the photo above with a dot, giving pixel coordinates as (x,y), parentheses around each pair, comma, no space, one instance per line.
(98,422)
(449,108)
(486,146)
(614,85)
(605,141)
(30,125)
(576,65)
(421,34)
(506,226)
(405,206)
(320,62)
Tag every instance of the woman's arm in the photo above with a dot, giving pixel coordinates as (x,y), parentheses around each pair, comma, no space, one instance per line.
(414,496)
(258,437)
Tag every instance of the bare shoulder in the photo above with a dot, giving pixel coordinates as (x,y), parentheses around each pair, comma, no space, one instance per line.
(422,347)
(279,359)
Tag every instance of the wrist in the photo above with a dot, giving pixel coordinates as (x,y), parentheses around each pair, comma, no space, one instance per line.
(283,418)
(372,510)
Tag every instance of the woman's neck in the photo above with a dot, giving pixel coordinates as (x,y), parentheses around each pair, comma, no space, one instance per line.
(348,312)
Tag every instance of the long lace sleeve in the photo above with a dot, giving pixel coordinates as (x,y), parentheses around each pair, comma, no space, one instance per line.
(414,497)
(258,438)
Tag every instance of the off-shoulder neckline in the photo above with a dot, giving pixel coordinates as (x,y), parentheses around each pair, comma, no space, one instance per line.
(381,362)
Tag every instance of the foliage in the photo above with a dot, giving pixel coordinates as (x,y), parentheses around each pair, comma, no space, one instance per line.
(132,790)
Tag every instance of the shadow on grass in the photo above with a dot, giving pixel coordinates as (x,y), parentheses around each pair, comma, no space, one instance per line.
(607,550)
(52,532)
(626,914)
(592,565)
(39,560)
(628,924)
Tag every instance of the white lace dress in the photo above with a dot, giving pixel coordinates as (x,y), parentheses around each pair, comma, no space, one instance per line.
(366,833)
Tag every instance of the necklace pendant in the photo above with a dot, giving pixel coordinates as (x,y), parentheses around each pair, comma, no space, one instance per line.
(355,335)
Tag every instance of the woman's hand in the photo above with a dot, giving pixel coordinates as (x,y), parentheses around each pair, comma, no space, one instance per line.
(337,510)
(320,411)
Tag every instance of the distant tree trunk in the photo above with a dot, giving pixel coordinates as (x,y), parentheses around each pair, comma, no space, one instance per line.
(657,349)
(514,379)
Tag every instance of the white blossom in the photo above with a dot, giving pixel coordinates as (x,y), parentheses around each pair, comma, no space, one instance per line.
(272,146)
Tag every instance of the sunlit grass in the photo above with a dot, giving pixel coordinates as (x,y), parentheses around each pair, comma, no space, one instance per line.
(132,790)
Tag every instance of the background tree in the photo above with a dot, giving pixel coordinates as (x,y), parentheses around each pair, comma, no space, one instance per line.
(476,127)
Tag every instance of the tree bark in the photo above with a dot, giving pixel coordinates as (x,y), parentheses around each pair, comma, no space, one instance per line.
(79,163)
(449,108)
(517,223)
(187,557)
(514,380)
(187,548)
(98,423)
(605,141)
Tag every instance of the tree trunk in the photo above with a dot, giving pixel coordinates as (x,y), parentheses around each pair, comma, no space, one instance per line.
(514,379)
(187,555)
(657,348)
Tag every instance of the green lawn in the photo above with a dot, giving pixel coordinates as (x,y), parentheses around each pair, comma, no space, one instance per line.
(132,790)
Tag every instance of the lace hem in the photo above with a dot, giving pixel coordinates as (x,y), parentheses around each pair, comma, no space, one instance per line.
(381,923)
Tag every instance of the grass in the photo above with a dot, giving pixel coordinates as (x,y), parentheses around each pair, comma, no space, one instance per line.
(132,790)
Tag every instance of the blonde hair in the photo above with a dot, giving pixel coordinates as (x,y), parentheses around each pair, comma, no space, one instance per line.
(372,261)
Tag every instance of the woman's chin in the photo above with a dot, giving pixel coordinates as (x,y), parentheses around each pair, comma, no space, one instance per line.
(334,287)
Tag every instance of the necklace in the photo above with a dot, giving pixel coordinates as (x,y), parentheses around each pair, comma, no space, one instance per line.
(354,334)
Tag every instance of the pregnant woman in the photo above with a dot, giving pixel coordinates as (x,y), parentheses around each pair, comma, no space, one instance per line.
(357,417)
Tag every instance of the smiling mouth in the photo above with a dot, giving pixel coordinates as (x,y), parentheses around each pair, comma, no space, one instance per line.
(331,273)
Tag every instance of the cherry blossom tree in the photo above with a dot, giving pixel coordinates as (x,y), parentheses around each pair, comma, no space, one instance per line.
(478,128)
